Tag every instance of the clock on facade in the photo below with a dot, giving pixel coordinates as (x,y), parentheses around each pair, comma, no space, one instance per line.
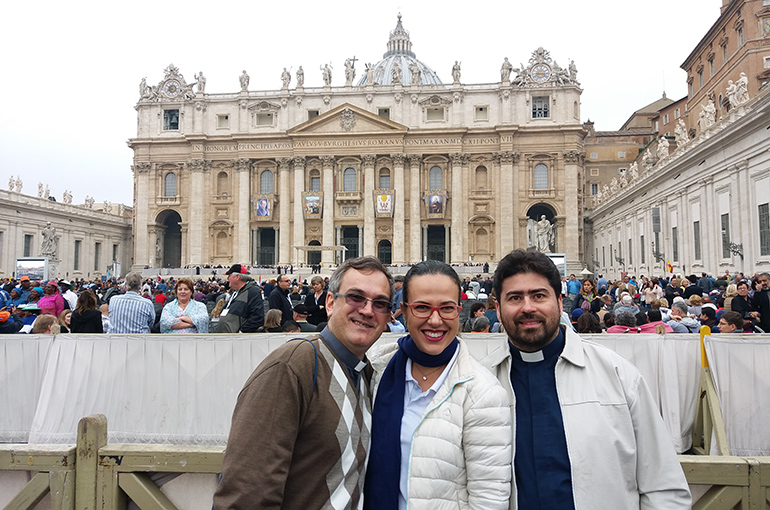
(541,73)
(172,88)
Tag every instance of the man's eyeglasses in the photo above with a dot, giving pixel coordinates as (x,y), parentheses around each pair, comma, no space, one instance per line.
(423,310)
(359,301)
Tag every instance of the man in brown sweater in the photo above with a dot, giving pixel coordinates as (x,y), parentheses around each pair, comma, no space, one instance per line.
(300,435)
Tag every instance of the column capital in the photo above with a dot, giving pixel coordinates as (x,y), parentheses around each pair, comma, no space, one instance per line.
(142,167)
(398,159)
(242,164)
(573,156)
(283,163)
(506,157)
(328,161)
(198,165)
(299,161)
(369,159)
(415,159)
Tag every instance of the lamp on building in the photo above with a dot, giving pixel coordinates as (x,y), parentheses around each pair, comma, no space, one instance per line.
(736,249)
(659,256)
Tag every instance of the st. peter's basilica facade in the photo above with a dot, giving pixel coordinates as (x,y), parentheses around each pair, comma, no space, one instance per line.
(395,164)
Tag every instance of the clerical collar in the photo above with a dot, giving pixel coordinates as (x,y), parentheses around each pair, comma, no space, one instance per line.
(350,360)
(550,350)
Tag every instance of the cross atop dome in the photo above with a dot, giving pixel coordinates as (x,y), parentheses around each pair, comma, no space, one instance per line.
(399,43)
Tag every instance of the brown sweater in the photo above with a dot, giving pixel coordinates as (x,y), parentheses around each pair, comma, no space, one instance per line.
(288,435)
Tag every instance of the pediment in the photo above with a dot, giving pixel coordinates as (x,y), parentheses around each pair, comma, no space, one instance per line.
(264,106)
(348,119)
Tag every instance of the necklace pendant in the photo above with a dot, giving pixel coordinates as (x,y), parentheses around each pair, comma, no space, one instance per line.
(424,378)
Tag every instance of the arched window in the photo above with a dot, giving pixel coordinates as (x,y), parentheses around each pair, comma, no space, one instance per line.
(481,177)
(482,241)
(222,244)
(266,180)
(541,176)
(315,180)
(384,179)
(222,187)
(436,178)
(349,180)
(169,185)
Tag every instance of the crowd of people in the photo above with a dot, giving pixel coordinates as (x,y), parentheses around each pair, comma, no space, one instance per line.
(727,304)
(546,420)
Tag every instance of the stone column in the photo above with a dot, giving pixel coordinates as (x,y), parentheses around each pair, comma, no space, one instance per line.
(456,252)
(199,116)
(569,238)
(144,250)
(284,209)
(327,257)
(424,231)
(360,240)
(415,205)
(198,171)
(299,218)
(242,219)
(398,209)
(508,231)
(740,175)
(369,248)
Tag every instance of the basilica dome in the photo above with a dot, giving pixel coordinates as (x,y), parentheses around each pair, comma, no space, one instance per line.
(400,53)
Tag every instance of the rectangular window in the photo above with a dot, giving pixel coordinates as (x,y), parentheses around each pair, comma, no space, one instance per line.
(726,236)
(76,258)
(621,154)
(540,108)
(604,259)
(764,230)
(315,184)
(482,113)
(767,62)
(97,255)
(596,259)
(223,121)
(696,239)
(674,243)
(665,119)
(621,171)
(594,189)
(384,181)
(657,127)
(641,247)
(434,114)
(27,245)
(689,89)
(114,252)
(170,120)
(594,172)
(594,155)
(740,37)
(630,253)
(700,79)
(620,252)
(656,223)
(265,119)
(725,54)
(677,113)
(384,113)
(711,67)
(656,248)
(312,114)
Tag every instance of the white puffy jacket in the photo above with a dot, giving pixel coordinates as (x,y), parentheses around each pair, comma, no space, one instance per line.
(461,450)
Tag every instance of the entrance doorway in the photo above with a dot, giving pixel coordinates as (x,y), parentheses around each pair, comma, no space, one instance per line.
(265,247)
(171,238)
(350,242)
(314,257)
(384,252)
(436,243)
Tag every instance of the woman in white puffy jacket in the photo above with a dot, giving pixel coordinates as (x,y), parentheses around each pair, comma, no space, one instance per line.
(441,425)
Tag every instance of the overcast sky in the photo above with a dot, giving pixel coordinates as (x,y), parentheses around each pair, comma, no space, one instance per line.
(71,70)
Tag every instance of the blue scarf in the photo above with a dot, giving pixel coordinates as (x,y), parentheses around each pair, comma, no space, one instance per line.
(383,471)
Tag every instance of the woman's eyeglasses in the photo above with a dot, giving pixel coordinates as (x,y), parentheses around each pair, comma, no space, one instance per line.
(423,310)
(359,301)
